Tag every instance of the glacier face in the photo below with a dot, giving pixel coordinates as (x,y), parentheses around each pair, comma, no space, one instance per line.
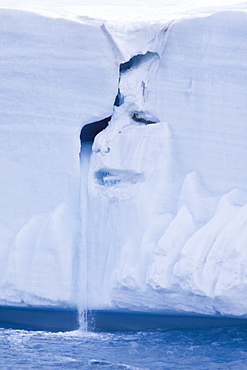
(52,75)
(152,215)
(171,237)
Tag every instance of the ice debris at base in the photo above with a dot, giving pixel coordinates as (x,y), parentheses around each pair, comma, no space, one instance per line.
(153,213)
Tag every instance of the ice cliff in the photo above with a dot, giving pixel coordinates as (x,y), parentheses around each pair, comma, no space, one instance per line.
(151,211)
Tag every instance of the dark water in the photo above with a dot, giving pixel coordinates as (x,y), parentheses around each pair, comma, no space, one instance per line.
(217,348)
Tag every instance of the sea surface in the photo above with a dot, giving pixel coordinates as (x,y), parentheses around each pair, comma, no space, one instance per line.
(212,348)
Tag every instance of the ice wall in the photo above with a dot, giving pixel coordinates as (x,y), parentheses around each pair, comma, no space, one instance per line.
(56,76)
(152,214)
(167,214)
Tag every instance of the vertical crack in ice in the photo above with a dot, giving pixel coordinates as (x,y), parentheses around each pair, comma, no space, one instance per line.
(129,108)
(126,67)
(136,61)
(133,81)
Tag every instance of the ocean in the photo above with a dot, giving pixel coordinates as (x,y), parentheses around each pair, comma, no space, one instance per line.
(210,348)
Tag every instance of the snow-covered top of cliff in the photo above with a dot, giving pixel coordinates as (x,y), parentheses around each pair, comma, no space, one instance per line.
(110,10)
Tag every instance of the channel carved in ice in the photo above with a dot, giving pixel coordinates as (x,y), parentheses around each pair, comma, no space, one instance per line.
(136,61)
(114,177)
(144,117)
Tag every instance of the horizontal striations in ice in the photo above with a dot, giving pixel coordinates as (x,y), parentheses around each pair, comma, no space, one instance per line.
(155,215)
(176,239)
(54,80)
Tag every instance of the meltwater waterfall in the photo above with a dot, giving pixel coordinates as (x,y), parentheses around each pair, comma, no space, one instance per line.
(87,136)
(86,149)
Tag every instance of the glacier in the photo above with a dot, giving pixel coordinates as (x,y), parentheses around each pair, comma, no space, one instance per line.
(123,157)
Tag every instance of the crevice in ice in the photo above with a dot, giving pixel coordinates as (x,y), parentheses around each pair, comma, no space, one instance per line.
(144,117)
(90,130)
(119,99)
(135,61)
(99,159)
(110,177)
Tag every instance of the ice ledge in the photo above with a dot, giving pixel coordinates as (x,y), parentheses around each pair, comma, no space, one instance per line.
(124,320)
(57,319)
(54,319)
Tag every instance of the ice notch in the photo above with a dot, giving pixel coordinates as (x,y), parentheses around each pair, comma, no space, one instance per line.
(144,117)
(119,99)
(90,130)
(113,177)
(136,60)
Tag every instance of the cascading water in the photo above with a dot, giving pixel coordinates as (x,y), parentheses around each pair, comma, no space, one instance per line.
(87,136)
(86,148)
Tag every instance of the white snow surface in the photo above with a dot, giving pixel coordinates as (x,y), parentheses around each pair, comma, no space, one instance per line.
(154,216)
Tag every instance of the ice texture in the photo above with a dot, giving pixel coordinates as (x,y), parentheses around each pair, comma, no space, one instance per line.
(54,80)
(175,240)
(152,214)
